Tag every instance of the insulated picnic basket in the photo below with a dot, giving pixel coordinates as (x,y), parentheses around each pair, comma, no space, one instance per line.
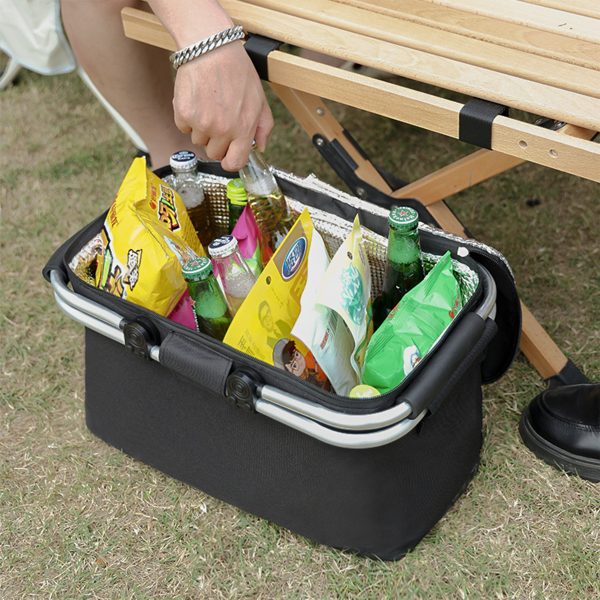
(370,475)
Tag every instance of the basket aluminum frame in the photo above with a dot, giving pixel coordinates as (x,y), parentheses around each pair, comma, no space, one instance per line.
(329,426)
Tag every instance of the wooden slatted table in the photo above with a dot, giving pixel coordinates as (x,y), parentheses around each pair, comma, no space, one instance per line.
(539,56)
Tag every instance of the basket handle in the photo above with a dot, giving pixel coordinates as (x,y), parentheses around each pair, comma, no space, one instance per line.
(331,427)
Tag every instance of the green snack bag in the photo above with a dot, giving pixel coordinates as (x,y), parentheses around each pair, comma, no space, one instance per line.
(412,327)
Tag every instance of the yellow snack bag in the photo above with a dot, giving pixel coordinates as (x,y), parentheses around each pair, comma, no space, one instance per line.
(270,310)
(147,234)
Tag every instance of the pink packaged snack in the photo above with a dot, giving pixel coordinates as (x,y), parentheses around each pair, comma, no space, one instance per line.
(183,313)
(247,234)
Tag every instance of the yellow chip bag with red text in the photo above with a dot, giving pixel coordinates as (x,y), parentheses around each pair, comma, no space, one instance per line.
(147,236)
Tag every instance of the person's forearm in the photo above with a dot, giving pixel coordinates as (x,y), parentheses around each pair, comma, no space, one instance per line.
(189,21)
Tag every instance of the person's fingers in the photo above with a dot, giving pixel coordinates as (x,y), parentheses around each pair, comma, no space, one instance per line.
(181,123)
(237,154)
(263,128)
(199,138)
(216,147)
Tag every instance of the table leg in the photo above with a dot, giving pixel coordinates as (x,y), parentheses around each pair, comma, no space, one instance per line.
(316,118)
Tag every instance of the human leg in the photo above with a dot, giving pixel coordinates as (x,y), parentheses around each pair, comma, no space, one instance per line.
(134,78)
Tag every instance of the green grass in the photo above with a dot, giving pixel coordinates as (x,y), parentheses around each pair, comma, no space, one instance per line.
(78,519)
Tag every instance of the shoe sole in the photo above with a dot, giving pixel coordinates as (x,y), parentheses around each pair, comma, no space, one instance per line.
(586,468)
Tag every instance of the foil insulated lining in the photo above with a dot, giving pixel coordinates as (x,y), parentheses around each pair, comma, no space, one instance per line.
(334,230)
(313,183)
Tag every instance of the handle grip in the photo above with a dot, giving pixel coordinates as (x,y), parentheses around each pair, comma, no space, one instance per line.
(434,380)
(193,361)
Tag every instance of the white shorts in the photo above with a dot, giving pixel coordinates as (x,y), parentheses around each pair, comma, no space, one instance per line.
(31,33)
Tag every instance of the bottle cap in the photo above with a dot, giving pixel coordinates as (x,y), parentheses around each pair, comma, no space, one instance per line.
(184,160)
(222,246)
(197,268)
(364,391)
(403,218)
(236,192)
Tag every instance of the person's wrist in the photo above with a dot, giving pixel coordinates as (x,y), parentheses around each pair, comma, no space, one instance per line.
(208,45)
(191,20)
(195,35)
(192,32)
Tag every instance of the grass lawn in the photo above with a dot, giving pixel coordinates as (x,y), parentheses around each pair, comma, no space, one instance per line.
(79,519)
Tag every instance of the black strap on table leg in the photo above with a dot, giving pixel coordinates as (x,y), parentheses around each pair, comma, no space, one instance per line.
(258,48)
(345,167)
(569,375)
(475,121)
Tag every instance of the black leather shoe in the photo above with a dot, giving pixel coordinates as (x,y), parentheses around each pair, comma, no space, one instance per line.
(562,427)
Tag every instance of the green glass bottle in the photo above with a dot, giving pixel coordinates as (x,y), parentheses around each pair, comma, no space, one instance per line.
(237,200)
(267,202)
(210,308)
(404,268)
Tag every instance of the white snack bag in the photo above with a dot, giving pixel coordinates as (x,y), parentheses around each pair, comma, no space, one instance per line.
(321,329)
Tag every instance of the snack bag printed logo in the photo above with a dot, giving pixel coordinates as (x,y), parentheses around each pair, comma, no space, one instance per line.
(293,259)
(353,294)
(134,260)
(111,279)
(115,278)
(411,358)
(114,282)
(167,212)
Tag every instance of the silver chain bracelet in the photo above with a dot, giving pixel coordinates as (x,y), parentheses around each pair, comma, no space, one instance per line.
(231,34)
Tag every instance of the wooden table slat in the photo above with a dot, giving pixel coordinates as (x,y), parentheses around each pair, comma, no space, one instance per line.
(537,17)
(522,140)
(475,81)
(511,35)
(443,43)
(585,8)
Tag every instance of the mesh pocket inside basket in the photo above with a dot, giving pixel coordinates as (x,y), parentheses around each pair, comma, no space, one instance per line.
(334,230)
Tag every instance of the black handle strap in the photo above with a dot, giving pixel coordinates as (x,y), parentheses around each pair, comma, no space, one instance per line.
(196,362)
(258,48)
(475,121)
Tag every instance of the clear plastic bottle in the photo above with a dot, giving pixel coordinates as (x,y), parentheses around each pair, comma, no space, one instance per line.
(268,204)
(231,270)
(187,182)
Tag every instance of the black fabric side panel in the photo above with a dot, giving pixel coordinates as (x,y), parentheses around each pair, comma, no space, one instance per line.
(505,345)
(474,357)
(194,361)
(378,501)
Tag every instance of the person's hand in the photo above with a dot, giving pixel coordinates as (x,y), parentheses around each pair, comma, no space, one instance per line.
(220,101)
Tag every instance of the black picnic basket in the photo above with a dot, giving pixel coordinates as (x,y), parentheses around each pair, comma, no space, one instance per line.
(371,475)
